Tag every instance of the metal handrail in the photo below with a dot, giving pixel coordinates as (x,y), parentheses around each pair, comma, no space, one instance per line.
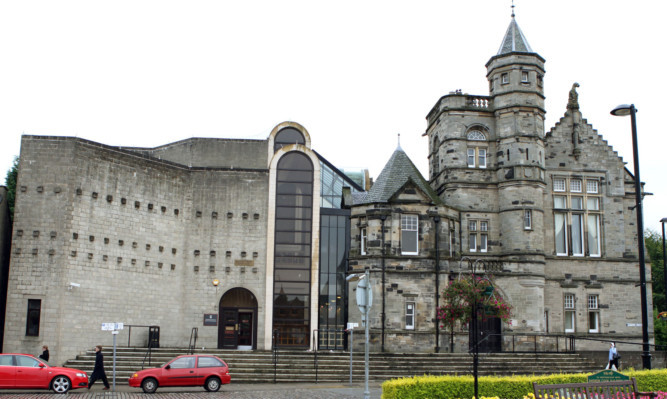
(315,347)
(276,334)
(193,336)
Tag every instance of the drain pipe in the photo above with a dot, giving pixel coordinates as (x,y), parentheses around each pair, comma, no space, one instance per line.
(436,221)
(382,219)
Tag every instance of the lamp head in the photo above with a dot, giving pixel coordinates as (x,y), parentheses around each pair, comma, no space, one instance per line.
(663,220)
(623,110)
(216,282)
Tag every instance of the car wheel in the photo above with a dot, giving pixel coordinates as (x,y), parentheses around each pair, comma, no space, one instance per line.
(212,384)
(61,384)
(149,385)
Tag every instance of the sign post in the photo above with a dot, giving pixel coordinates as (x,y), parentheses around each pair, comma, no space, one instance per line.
(113,327)
(350,328)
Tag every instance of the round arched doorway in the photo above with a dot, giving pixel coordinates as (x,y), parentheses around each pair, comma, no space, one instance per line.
(238,320)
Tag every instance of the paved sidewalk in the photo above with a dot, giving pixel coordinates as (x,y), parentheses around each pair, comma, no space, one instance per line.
(240,391)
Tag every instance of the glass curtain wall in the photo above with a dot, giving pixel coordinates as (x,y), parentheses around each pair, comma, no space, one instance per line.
(291,300)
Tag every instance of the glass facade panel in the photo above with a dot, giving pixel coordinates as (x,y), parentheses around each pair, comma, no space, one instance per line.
(334,246)
(292,263)
(287,136)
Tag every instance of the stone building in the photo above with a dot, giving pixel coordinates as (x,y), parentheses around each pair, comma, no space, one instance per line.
(216,234)
(244,238)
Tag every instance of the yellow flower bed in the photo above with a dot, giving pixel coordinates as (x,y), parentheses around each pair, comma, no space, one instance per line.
(500,387)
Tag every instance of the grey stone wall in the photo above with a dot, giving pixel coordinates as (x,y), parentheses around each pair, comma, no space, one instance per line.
(142,237)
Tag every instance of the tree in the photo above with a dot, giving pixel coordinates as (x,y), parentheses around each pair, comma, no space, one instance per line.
(10,182)
(653,241)
(462,294)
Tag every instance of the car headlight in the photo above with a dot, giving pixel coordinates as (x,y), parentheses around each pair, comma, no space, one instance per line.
(135,375)
(81,375)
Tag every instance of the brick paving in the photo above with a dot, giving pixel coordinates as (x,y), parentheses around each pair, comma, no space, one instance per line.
(238,391)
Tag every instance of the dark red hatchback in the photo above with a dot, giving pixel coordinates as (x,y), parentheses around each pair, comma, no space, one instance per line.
(188,370)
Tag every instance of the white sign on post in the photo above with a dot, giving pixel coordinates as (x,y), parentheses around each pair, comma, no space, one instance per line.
(112,326)
(351,326)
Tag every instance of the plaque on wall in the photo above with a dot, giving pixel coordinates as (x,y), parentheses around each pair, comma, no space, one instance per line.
(242,262)
(211,319)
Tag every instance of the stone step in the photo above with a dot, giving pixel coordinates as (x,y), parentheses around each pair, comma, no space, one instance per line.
(299,366)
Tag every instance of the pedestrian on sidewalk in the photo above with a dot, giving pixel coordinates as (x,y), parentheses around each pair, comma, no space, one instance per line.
(98,371)
(45,353)
(613,357)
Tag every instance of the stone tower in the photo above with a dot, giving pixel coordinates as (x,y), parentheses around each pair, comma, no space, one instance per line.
(487,159)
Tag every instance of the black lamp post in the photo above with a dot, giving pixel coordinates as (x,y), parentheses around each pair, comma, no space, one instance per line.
(624,110)
(664,260)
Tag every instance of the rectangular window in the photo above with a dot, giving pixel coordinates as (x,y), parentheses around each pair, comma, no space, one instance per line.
(568,304)
(471,157)
(560,233)
(524,77)
(559,185)
(560,202)
(472,225)
(32,320)
(409,234)
(592,186)
(409,315)
(593,204)
(484,226)
(577,203)
(473,242)
(575,185)
(362,241)
(505,78)
(594,235)
(577,234)
(527,219)
(482,158)
(593,314)
(483,238)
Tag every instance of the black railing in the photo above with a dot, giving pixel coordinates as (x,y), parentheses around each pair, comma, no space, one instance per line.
(152,334)
(148,355)
(193,340)
(276,336)
(315,347)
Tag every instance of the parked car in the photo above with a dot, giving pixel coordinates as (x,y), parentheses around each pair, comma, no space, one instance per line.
(184,371)
(21,371)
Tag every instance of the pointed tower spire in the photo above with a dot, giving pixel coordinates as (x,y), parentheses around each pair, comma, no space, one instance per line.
(514,40)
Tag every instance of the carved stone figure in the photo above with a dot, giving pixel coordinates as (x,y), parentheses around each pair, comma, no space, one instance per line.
(573,101)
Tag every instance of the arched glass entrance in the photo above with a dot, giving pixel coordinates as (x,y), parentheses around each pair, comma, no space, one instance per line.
(238,320)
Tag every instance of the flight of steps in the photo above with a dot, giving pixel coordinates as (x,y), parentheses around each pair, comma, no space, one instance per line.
(299,366)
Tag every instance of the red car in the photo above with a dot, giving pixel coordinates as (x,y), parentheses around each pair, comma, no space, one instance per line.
(21,371)
(184,371)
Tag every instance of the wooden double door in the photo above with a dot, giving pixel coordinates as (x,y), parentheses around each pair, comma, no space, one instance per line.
(236,328)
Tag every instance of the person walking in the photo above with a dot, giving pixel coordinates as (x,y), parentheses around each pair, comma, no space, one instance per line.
(98,371)
(45,353)
(613,357)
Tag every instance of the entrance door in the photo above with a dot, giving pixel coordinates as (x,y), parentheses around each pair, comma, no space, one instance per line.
(238,320)
(245,330)
(489,337)
(229,326)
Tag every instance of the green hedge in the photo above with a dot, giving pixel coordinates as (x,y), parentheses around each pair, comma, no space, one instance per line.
(505,387)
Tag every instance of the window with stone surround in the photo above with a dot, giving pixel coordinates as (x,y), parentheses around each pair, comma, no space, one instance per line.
(569,301)
(33,317)
(477,149)
(527,219)
(478,235)
(577,216)
(409,235)
(409,315)
(593,314)
(362,240)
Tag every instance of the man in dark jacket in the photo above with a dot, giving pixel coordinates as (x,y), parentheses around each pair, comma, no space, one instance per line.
(98,371)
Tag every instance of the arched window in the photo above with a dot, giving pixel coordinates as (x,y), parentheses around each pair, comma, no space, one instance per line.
(477,150)
(476,135)
(287,136)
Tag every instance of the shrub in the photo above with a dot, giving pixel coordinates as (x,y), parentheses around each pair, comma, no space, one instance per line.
(505,387)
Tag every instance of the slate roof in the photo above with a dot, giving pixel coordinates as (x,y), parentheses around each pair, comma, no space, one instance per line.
(514,40)
(395,174)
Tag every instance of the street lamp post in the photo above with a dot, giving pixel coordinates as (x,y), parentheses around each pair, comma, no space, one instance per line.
(624,110)
(664,260)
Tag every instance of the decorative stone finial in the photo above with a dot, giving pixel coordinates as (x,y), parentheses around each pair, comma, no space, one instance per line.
(573,100)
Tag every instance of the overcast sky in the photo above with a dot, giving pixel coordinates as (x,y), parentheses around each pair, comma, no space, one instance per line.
(353,73)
